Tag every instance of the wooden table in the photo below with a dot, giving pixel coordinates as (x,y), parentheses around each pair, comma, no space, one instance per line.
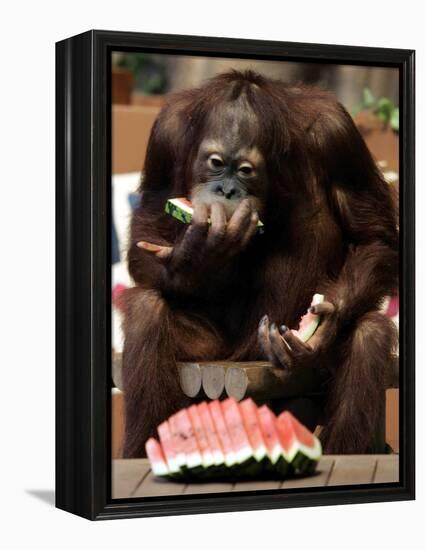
(133,477)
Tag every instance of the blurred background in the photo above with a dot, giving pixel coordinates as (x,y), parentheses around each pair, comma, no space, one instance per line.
(140,83)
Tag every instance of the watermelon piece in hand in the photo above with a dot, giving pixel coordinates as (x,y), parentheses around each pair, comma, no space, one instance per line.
(310,321)
(182,209)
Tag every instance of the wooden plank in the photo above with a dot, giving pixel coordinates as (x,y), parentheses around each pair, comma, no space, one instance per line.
(126,475)
(392,419)
(190,378)
(261,381)
(152,486)
(213,380)
(200,488)
(257,485)
(319,479)
(387,469)
(353,469)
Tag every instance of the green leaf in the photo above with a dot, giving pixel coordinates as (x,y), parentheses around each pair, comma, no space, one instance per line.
(394,121)
(384,109)
(368,99)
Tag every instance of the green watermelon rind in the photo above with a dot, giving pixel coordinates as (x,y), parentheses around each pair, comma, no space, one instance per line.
(177,212)
(304,459)
(299,459)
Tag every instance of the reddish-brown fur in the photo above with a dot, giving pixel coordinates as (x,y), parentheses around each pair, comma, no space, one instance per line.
(330,228)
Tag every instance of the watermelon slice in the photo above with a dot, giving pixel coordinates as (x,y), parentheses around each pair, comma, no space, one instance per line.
(187,439)
(177,442)
(201,436)
(211,434)
(168,447)
(250,419)
(156,457)
(301,448)
(182,209)
(236,429)
(222,432)
(275,452)
(310,321)
(231,440)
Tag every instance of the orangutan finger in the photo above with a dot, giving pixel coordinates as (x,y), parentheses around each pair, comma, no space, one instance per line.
(263,336)
(252,228)
(196,233)
(217,230)
(325,308)
(296,345)
(239,221)
(279,347)
(160,251)
(200,214)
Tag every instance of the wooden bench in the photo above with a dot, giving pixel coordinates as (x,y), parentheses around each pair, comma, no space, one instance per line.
(132,478)
(261,381)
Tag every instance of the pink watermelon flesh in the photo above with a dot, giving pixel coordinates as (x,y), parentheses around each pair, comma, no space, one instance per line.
(201,436)
(231,433)
(187,439)
(168,447)
(309,322)
(291,430)
(267,421)
(177,441)
(210,431)
(223,434)
(186,202)
(295,437)
(236,429)
(251,422)
(156,457)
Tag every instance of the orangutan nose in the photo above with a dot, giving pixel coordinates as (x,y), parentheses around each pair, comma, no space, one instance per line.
(228,190)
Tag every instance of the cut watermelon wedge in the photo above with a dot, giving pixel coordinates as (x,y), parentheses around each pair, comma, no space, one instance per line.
(177,442)
(201,436)
(301,448)
(310,321)
(182,209)
(156,457)
(236,429)
(188,440)
(230,440)
(211,434)
(168,447)
(222,432)
(275,452)
(250,419)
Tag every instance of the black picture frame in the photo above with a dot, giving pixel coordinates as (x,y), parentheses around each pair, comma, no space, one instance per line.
(83,204)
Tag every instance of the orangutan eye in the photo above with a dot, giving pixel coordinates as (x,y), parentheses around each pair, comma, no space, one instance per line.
(215,161)
(246,169)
